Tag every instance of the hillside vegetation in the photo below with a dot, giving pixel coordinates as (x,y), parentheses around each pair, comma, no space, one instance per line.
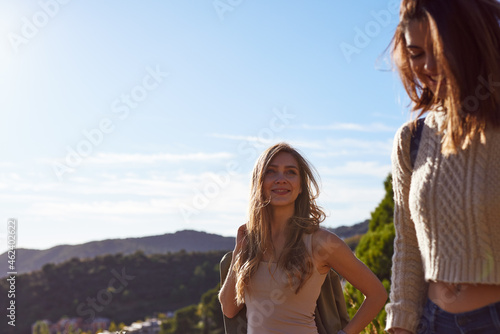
(375,249)
(188,240)
(124,288)
(191,241)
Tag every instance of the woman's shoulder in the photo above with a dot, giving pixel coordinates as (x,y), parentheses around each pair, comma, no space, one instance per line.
(407,133)
(329,248)
(400,155)
(323,236)
(403,134)
(434,120)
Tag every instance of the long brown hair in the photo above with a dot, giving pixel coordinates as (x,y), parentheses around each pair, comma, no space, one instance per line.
(294,260)
(466,41)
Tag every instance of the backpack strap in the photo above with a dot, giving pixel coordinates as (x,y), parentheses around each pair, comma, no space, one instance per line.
(415,140)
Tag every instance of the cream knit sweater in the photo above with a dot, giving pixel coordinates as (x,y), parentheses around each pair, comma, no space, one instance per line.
(447,218)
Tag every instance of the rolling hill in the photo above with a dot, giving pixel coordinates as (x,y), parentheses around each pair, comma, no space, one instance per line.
(28,260)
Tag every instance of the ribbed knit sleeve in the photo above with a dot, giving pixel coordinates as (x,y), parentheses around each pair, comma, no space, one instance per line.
(408,286)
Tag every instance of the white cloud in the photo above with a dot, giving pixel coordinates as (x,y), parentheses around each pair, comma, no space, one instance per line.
(308,144)
(338,190)
(7,165)
(120,208)
(142,159)
(347,203)
(329,147)
(116,158)
(363,144)
(262,143)
(150,202)
(357,168)
(355,147)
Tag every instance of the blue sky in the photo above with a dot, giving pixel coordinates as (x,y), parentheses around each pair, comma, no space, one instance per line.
(127,118)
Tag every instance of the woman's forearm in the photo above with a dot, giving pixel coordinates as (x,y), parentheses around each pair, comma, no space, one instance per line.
(227,294)
(368,310)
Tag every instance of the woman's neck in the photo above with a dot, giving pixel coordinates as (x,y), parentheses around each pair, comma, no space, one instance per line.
(280,217)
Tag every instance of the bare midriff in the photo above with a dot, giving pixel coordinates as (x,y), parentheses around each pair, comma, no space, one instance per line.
(458,298)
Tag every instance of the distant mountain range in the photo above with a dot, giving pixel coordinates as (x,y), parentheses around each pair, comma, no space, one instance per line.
(28,260)
(345,232)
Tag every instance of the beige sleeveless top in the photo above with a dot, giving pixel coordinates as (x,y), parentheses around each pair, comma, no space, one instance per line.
(274,307)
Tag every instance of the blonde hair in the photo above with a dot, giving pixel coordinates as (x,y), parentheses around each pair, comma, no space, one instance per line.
(294,260)
(466,41)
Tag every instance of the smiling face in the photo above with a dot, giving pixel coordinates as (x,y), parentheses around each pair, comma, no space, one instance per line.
(422,59)
(282,182)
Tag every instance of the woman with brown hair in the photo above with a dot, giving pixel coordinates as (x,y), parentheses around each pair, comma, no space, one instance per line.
(282,256)
(446,264)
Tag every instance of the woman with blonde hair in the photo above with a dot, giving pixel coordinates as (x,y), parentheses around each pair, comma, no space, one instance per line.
(446,264)
(282,256)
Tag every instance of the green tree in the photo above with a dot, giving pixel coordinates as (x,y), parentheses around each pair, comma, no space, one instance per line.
(167,326)
(148,284)
(112,327)
(186,320)
(71,330)
(375,249)
(353,241)
(210,311)
(41,327)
